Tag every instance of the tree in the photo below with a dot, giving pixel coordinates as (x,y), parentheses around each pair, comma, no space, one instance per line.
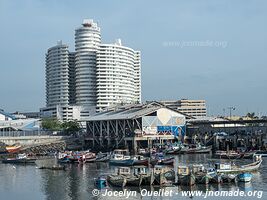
(51,124)
(71,127)
(252,115)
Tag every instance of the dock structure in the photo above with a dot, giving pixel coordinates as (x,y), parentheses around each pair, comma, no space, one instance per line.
(129,125)
(229,134)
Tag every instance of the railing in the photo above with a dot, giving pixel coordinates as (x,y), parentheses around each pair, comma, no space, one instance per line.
(24,133)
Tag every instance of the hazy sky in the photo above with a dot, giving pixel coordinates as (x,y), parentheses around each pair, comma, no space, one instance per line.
(212,50)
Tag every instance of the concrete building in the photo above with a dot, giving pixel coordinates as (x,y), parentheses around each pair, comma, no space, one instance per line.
(194,108)
(118,75)
(87,41)
(92,78)
(137,77)
(65,113)
(131,124)
(59,67)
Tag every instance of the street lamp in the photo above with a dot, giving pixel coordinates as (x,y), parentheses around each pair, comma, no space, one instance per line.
(230,109)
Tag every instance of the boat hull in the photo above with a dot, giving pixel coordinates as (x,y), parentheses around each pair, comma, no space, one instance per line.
(141,162)
(245,177)
(121,162)
(244,168)
(202,179)
(117,180)
(147,179)
(13,149)
(187,180)
(133,180)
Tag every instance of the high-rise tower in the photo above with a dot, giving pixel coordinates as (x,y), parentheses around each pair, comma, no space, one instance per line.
(58,75)
(118,75)
(87,41)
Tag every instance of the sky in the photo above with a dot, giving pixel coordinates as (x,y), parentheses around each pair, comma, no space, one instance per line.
(212,50)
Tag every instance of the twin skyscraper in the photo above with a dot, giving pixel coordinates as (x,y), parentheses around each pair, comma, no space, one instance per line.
(93,78)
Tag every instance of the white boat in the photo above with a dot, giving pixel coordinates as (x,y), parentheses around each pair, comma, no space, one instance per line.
(228,168)
(121,160)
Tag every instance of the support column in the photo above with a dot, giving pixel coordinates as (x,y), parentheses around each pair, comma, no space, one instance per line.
(134,145)
(108,134)
(124,134)
(101,134)
(93,134)
(117,134)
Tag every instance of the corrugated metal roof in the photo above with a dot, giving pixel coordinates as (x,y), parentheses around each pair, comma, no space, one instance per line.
(127,112)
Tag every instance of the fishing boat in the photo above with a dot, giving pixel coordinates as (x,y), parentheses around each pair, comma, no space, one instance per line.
(88,157)
(163,175)
(13,148)
(229,168)
(101,182)
(248,154)
(173,149)
(158,159)
(121,160)
(261,153)
(147,177)
(227,155)
(63,158)
(195,149)
(202,178)
(146,152)
(229,178)
(116,180)
(201,175)
(166,161)
(214,176)
(124,152)
(244,177)
(185,176)
(140,160)
(132,179)
(102,157)
(20,159)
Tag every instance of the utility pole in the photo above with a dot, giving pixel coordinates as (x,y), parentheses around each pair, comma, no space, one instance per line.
(230,109)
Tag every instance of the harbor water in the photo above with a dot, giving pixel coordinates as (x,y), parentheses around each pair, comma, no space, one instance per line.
(26,182)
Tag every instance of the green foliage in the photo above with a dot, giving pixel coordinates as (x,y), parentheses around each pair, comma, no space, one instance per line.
(252,115)
(71,127)
(51,124)
(68,127)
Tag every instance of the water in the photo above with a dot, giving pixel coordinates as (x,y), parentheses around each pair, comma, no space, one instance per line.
(77,182)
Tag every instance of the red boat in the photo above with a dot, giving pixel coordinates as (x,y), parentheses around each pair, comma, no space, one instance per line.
(13,149)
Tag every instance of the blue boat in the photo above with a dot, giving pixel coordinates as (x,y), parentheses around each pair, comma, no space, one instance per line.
(244,177)
(64,160)
(101,182)
(121,160)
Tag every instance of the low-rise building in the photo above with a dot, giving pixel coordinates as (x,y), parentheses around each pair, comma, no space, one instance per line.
(67,113)
(135,123)
(194,108)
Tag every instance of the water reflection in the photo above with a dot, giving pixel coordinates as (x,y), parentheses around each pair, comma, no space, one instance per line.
(77,182)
